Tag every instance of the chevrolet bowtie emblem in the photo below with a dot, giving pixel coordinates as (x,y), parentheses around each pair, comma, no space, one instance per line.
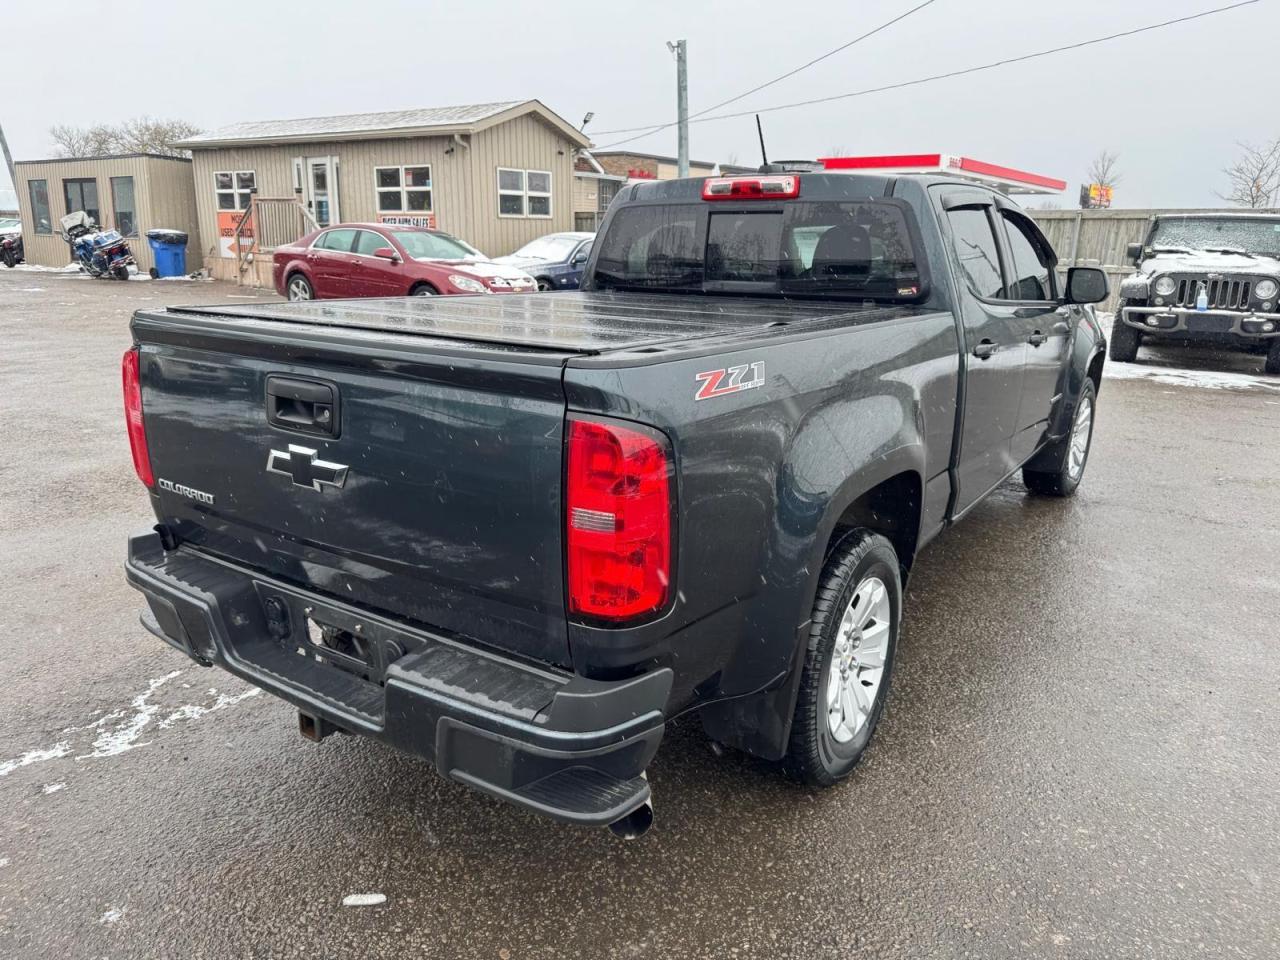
(300,465)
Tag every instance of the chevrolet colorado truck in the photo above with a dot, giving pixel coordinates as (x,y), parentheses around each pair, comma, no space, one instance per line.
(1203,276)
(518,535)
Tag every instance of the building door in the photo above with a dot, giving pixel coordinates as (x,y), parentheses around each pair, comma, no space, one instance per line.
(320,189)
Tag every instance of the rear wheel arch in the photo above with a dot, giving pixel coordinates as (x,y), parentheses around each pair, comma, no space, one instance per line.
(892,507)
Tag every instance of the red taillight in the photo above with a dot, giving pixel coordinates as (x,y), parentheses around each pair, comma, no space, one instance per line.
(133,417)
(751,188)
(618,519)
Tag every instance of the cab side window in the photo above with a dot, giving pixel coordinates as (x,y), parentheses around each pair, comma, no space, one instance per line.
(977,250)
(1032,265)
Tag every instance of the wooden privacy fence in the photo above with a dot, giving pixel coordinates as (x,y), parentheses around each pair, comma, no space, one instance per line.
(1097,238)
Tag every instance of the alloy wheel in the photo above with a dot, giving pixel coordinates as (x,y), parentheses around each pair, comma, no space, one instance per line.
(858,660)
(1080,432)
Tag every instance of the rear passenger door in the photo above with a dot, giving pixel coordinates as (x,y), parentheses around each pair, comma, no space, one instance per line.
(994,343)
(330,262)
(1045,325)
(375,276)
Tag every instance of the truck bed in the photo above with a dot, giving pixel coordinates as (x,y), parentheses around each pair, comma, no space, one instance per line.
(580,323)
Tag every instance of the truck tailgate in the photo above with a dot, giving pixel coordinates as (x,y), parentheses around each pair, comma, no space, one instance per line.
(447,512)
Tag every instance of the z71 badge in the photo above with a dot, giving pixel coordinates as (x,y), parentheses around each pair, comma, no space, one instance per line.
(726,380)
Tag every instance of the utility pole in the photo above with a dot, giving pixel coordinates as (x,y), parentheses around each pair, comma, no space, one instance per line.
(8,161)
(680,49)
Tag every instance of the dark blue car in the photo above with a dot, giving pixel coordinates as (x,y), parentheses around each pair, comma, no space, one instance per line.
(555,261)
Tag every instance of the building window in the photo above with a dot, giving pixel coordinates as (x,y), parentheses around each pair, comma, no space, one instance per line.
(39,190)
(82,194)
(403,189)
(524,193)
(123,207)
(606,190)
(234,189)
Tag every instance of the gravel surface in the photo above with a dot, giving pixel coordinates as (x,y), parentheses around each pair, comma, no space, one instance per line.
(1079,757)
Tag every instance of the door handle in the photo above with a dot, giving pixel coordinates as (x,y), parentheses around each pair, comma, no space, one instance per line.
(985,349)
(1037,338)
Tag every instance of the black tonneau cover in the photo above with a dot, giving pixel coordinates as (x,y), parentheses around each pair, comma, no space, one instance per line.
(577,322)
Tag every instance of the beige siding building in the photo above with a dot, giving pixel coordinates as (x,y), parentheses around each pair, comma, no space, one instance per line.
(495,175)
(132,193)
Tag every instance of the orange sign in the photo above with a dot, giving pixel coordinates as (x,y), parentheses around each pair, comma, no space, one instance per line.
(228,245)
(423,219)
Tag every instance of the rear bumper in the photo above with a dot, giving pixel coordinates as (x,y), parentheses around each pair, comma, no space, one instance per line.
(1203,323)
(552,742)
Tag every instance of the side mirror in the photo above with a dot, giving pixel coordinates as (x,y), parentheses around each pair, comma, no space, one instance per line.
(1134,252)
(578,259)
(386,253)
(1087,285)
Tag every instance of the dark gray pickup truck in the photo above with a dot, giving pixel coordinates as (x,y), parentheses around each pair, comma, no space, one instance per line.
(517,535)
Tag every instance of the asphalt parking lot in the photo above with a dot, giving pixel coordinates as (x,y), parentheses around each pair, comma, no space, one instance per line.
(1080,757)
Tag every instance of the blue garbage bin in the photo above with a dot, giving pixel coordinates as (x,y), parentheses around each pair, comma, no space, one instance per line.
(170,250)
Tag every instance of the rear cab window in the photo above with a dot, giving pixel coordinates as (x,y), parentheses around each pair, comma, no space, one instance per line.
(863,249)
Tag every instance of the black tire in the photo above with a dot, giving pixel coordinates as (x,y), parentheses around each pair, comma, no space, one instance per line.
(120,272)
(296,285)
(544,285)
(1064,481)
(1124,339)
(155,274)
(815,756)
(9,260)
(423,290)
(1273,358)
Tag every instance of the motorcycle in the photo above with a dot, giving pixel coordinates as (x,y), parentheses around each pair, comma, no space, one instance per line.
(11,249)
(100,253)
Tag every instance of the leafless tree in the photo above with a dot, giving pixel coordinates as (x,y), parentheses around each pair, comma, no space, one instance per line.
(82,141)
(1102,169)
(139,135)
(1254,179)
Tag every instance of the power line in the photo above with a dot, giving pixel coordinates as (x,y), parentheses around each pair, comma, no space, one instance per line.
(768,83)
(948,75)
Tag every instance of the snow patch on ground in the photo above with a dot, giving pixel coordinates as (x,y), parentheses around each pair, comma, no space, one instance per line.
(49,788)
(34,756)
(364,899)
(121,731)
(1181,376)
(112,916)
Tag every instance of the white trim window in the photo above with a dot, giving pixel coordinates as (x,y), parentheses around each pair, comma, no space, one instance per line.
(233,188)
(404,189)
(524,193)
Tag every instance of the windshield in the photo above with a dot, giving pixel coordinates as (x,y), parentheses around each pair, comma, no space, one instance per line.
(421,245)
(861,249)
(1256,235)
(557,246)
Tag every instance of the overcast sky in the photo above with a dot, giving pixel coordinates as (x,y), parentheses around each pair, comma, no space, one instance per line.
(1172,103)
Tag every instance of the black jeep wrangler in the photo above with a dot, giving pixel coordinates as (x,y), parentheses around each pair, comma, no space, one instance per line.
(1204,277)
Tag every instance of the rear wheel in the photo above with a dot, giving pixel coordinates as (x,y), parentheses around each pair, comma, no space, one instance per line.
(299,288)
(1064,481)
(10,260)
(1273,357)
(120,272)
(853,637)
(422,290)
(1124,338)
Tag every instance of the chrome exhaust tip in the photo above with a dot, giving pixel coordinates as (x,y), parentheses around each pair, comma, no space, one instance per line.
(635,824)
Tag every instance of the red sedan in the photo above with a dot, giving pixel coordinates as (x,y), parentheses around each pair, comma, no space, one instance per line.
(381,260)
